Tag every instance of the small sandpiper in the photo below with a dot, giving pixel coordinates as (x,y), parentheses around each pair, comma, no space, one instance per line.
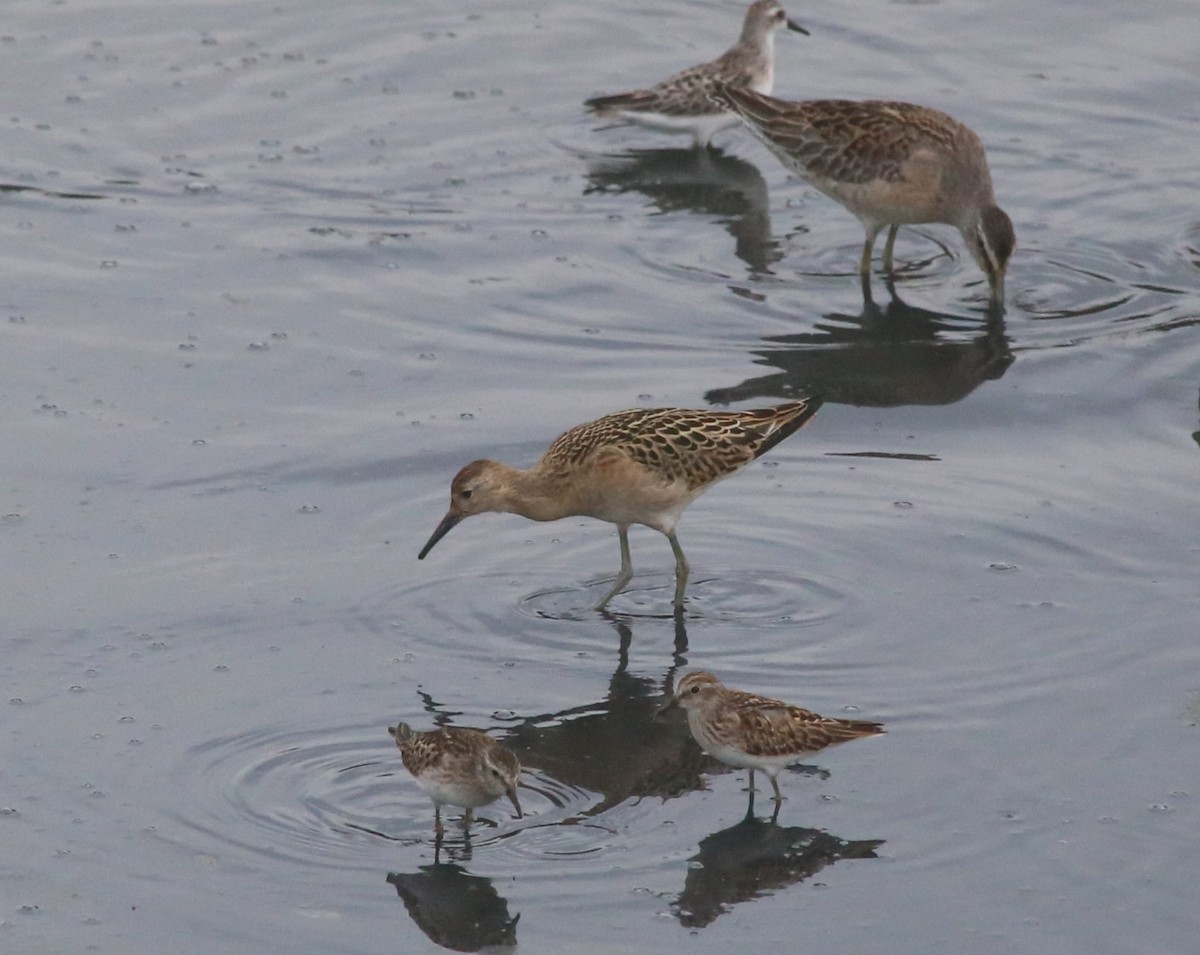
(681,103)
(642,466)
(890,164)
(756,732)
(458,767)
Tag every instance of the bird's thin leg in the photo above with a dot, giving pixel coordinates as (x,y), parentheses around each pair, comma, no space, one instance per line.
(438,829)
(778,794)
(625,574)
(888,247)
(467,819)
(682,569)
(864,264)
(750,783)
(864,282)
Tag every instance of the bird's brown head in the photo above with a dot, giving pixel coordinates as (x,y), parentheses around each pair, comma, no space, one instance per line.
(764,17)
(499,769)
(693,691)
(992,240)
(474,490)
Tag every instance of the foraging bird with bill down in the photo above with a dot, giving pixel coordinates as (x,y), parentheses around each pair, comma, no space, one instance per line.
(890,164)
(642,466)
(458,766)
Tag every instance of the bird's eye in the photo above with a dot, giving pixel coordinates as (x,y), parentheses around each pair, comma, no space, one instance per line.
(695,689)
(465,494)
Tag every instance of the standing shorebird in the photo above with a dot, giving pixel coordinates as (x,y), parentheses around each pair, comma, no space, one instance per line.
(642,466)
(756,732)
(681,103)
(891,164)
(458,767)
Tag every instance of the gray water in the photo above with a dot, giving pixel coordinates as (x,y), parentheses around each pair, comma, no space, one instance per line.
(276,270)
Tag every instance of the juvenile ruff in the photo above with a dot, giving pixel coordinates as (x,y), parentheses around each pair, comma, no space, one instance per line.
(642,466)
(890,164)
(755,732)
(681,103)
(458,767)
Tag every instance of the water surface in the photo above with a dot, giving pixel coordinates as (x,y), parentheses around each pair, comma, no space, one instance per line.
(273,276)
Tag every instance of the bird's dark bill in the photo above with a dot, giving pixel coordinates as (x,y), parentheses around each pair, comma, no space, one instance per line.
(439,532)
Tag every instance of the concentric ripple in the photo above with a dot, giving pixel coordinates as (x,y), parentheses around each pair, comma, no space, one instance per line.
(763,597)
(325,797)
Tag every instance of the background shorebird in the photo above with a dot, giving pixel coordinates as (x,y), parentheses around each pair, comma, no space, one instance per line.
(642,466)
(890,164)
(681,103)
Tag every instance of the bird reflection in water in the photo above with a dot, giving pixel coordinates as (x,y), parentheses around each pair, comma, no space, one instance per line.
(457,910)
(705,181)
(614,746)
(755,858)
(883,357)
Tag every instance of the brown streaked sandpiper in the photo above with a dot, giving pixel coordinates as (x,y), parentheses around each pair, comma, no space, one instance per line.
(642,466)
(891,164)
(458,767)
(681,104)
(755,732)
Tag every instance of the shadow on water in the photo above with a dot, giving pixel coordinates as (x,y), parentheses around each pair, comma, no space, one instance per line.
(705,181)
(455,909)
(883,357)
(754,858)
